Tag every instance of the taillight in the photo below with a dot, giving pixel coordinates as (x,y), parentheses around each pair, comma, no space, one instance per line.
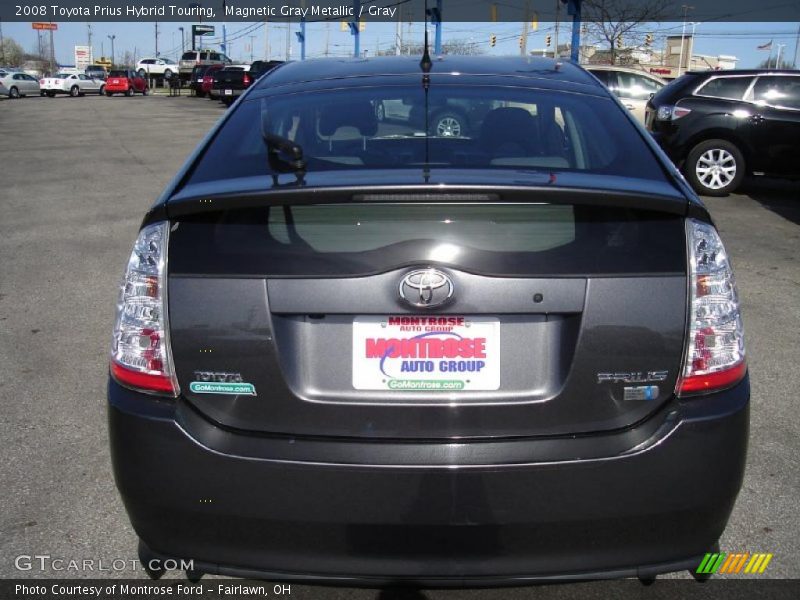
(715,356)
(140,352)
(247,79)
(671,113)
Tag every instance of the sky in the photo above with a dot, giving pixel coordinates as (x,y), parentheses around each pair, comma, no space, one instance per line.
(736,39)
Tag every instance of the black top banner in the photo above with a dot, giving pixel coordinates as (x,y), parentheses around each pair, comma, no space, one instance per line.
(394,10)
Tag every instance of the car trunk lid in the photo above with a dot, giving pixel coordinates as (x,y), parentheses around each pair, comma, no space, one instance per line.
(567,315)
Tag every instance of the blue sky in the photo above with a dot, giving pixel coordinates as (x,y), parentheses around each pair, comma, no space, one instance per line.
(737,39)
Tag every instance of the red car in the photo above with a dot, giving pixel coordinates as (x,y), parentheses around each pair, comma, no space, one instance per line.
(126,82)
(208,82)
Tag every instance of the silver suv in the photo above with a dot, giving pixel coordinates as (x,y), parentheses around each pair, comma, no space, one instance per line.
(193,58)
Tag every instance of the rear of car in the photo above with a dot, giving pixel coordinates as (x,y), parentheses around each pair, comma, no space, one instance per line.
(60,83)
(125,82)
(231,82)
(349,350)
(207,87)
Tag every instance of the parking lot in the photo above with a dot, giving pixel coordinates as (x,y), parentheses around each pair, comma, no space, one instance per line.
(77,176)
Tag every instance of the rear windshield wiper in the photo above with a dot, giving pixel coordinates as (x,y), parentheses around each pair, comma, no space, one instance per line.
(284,156)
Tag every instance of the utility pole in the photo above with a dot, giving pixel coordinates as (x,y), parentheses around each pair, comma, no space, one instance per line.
(156,23)
(89,36)
(288,39)
(437,38)
(327,37)
(252,45)
(686,9)
(52,52)
(398,35)
(555,32)
(2,45)
(523,39)
(183,46)
(796,44)
(267,50)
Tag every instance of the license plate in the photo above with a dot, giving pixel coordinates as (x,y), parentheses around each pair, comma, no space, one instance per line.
(426,353)
(228,92)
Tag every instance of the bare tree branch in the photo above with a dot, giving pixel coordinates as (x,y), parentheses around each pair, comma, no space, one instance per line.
(610,20)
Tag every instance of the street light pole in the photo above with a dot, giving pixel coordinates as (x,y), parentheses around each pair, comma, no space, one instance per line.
(112,38)
(183,48)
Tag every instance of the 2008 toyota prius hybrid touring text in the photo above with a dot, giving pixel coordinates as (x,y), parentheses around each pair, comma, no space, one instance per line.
(440,323)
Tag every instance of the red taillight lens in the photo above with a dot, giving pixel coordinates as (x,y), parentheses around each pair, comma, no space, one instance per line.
(247,80)
(715,356)
(140,352)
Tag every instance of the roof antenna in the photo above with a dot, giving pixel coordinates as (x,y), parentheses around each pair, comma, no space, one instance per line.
(426,63)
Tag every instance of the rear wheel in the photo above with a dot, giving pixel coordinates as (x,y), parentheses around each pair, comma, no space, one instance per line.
(74,91)
(109,94)
(167,74)
(13,93)
(380,111)
(145,91)
(129,92)
(102,90)
(715,167)
(142,73)
(51,94)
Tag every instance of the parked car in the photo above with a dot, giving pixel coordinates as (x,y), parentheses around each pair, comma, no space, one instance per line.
(126,81)
(447,117)
(74,84)
(632,86)
(196,80)
(157,67)
(230,82)
(194,58)
(392,355)
(206,88)
(97,72)
(720,126)
(17,84)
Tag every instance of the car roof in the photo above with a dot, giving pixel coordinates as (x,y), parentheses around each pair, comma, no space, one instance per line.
(344,72)
(724,72)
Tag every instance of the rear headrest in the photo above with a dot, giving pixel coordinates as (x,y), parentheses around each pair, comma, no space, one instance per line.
(359,115)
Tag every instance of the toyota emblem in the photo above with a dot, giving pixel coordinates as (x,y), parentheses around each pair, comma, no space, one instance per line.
(426,288)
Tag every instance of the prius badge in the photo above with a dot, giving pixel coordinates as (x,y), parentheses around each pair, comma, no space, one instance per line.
(426,288)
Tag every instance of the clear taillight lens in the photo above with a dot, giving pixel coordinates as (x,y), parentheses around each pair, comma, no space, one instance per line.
(671,113)
(715,356)
(140,353)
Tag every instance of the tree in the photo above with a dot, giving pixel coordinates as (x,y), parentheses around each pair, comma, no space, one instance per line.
(769,63)
(462,47)
(622,22)
(11,53)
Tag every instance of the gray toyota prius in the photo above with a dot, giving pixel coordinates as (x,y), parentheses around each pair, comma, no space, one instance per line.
(443,322)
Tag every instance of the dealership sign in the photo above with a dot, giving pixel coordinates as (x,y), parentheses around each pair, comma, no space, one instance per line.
(48,26)
(83,57)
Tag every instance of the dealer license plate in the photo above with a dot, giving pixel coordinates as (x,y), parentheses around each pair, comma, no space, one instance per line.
(426,353)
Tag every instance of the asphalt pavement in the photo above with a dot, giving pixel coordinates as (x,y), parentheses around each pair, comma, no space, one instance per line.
(76,177)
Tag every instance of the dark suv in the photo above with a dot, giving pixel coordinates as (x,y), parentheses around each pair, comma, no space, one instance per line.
(351,350)
(720,126)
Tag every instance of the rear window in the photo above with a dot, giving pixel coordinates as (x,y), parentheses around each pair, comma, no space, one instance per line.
(454,127)
(491,238)
(730,88)
(119,73)
(188,56)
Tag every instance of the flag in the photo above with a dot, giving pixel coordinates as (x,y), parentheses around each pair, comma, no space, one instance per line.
(767,46)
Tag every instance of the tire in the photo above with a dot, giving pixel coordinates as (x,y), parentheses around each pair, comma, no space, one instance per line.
(142,73)
(380,111)
(200,94)
(167,73)
(714,168)
(109,94)
(13,93)
(51,94)
(449,124)
(74,91)
(101,91)
(130,92)
(42,94)
(146,91)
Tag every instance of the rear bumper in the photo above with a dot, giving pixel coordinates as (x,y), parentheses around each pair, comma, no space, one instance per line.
(656,507)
